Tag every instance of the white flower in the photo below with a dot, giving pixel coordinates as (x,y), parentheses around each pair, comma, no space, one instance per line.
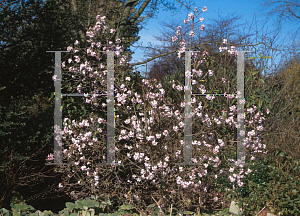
(240,183)
(54,77)
(165,132)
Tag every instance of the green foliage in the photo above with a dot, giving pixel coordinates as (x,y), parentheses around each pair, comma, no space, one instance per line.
(26,114)
(20,117)
(27,70)
(292,80)
(260,176)
(258,97)
(175,96)
(17,198)
(91,206)
(86,12)
(275,184)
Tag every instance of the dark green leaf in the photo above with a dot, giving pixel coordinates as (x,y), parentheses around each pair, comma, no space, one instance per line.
(71,206)
(126,207)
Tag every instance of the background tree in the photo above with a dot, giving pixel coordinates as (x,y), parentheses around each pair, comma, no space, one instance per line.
(287,10)
(282,131)
(282,128)
(29,29)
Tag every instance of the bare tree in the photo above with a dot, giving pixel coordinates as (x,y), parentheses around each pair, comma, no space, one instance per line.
(282,9)
(283,12)
(210,41)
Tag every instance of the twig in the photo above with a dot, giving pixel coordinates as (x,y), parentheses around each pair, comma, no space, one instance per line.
(158,205)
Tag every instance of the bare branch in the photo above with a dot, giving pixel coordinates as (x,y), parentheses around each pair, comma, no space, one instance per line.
(193,47)
(287,6)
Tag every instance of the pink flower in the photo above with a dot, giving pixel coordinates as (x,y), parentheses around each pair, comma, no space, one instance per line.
(191,16)
(204,9)
(201,19)
(102,18)
(185,21)
(205,53)
(192,33)
(69,48)
(54,77)
(50,156)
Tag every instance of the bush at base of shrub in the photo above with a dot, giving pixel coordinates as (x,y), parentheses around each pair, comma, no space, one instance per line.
(274,185)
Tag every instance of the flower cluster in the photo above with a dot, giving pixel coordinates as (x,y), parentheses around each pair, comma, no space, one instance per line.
(160,169)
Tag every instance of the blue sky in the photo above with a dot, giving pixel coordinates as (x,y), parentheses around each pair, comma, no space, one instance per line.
(247,9)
